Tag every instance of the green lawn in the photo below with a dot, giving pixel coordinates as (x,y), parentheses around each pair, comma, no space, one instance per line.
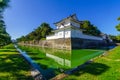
(103,68)
(13,66)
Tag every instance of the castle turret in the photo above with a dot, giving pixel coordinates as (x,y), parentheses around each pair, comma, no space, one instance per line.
(72,20)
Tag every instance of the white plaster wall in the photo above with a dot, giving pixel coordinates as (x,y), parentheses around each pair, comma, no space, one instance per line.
(79,34)
(61,26)
(60,35)
(66,23)
(73,34)
(50,37)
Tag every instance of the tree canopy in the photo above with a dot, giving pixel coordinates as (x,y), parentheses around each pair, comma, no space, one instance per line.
(4,36)
(118,26)
(37,34)
(90,28)
(115,38)
(3,4)
(118,18)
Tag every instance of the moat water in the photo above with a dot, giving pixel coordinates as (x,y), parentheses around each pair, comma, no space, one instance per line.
(51,62)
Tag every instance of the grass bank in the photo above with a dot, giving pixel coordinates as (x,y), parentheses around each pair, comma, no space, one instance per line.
(103,68)
(12,65)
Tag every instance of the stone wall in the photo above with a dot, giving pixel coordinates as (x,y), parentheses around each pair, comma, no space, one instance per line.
(56,43)
(68,43)
(78,43)
(62,43)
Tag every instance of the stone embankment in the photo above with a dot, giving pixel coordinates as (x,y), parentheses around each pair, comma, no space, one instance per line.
(58,43)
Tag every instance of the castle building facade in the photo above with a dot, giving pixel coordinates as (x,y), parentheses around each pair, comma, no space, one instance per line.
(68,32)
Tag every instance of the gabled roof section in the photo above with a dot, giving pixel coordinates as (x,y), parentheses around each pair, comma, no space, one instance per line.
(74,16)
(71,17)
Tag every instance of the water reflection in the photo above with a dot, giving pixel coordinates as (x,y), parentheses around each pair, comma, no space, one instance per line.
(61,57)
(57,58)
(71,58)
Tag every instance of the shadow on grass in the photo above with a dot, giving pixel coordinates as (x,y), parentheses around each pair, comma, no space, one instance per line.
(15,65)
(32,53)
(8,50)
(92,68)
(37,58)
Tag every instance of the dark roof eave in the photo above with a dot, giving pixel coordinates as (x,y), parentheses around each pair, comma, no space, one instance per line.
(71,19)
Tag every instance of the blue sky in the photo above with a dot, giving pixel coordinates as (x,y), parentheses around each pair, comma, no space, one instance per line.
(23,16)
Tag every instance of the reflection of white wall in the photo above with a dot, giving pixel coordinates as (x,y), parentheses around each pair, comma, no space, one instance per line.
(67,62)
(59,60)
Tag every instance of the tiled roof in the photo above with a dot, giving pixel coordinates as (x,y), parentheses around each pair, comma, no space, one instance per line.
(73,16)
